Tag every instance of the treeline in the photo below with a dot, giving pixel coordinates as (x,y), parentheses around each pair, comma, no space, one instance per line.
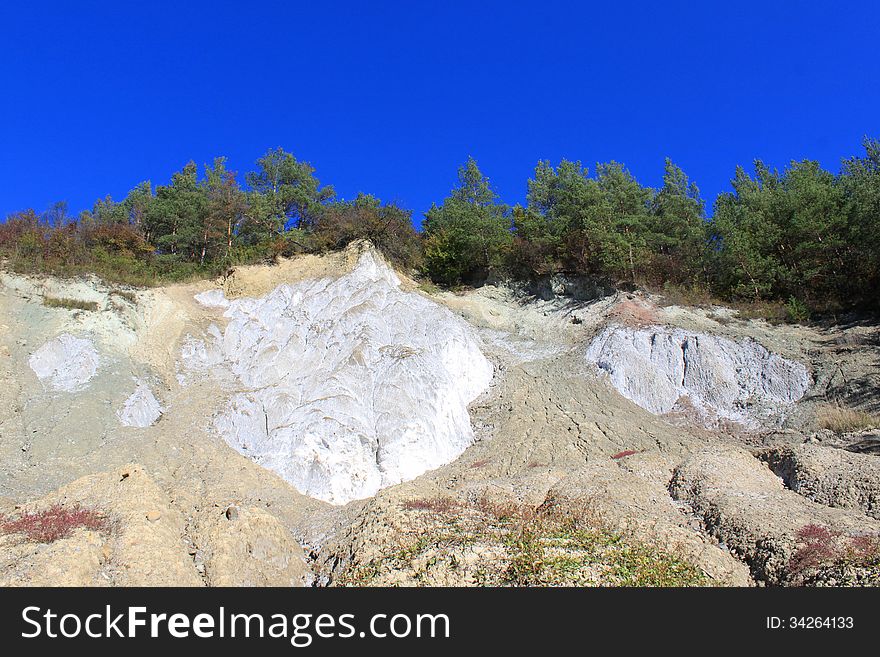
(804,238)
(200,225)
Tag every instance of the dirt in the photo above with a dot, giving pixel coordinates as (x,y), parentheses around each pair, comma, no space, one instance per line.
(727,499)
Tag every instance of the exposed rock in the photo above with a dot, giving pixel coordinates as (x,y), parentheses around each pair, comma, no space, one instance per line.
(212,299)
(353,384)
(250,548)
(742,503)
(865,445)
(141,409)
(644,509)
(830,476)
(67,363)
(658,367)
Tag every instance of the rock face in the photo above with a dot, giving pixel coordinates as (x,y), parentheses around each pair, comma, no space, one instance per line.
(830,476)
(141,409)
(350,384)
(758,518)
(658,367)
(66,363)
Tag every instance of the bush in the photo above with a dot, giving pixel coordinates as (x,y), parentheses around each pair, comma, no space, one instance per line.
(54,523)
(796,310)
(387,226)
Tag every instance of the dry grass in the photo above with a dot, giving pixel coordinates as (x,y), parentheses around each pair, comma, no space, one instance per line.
(437,505)
(841,419)
(131,297)
(487,541)
(69,304)
(678,295)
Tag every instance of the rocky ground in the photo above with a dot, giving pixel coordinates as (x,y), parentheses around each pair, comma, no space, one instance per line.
(572,478)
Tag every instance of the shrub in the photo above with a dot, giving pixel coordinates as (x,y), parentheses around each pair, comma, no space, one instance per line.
(796,310)
(54,523)
(821,548)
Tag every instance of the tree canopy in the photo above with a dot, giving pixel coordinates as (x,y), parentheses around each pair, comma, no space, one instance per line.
(804,236)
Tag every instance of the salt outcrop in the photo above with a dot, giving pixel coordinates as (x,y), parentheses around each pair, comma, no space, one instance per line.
(658,367)
(67,363)
(350,384)
(212,299)
(141,409)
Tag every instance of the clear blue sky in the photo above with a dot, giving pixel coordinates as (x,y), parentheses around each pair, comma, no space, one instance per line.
(390,97)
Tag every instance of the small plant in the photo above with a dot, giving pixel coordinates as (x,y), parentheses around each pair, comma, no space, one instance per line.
(428,287)
(488,541)
(822,548)
(131,297)
(796,310)
(54,523)
(70,304)
(841,419)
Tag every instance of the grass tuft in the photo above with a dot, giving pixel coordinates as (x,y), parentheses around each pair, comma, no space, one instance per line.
(70,304)
(841,419)
(491,542)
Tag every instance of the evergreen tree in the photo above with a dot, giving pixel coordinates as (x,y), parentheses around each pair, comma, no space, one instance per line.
(468,236)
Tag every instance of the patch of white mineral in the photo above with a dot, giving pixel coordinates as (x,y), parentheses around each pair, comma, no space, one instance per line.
(66,363)
(656,366)
(351,384)
(212,299)
(141,409)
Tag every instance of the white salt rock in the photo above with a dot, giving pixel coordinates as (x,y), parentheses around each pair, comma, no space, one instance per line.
(66,363)
(657,366)
(347,385)
(141,409)
(212,299)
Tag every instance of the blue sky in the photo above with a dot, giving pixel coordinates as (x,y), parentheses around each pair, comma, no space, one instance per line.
(390,97)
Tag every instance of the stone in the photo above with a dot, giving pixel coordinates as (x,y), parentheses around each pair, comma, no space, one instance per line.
(66,363)
(659,367)
(350,384)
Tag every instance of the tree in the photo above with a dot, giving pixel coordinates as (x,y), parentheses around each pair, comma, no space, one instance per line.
(388,226)
(467,237)
(859,184)
(677,229)
(292,195)
(226,203)
(176,218)
(746,235)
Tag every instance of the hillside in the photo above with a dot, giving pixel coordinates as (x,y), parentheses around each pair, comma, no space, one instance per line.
(329,421)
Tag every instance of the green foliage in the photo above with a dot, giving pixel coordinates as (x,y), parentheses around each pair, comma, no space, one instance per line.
(387,226)
(291,195)
(468,236)
(781,245)
(804,235)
